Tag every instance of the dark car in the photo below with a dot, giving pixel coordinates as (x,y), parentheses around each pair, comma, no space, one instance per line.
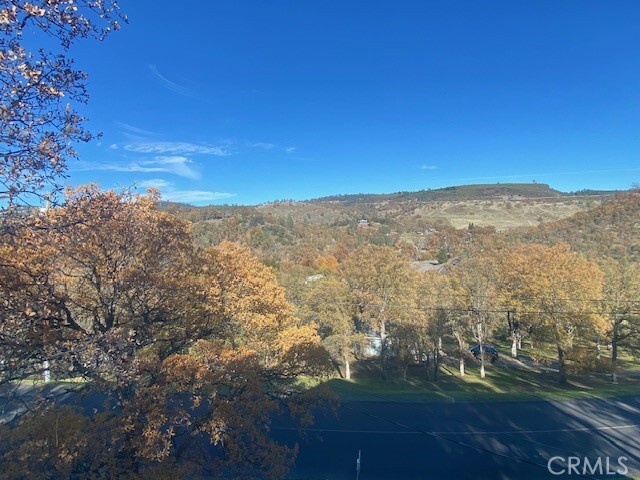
(489,350)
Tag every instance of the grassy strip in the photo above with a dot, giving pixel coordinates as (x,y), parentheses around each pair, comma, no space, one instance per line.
(33,381)
(500,384)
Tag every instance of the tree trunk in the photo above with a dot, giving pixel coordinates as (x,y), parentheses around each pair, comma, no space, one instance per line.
(481,340)
(614,353)
(513,328)
(383,348)
(347,368)
(47,372)
(462,351)
(436,364)
(562,369)
(598,348)
(336,365)
(426,360)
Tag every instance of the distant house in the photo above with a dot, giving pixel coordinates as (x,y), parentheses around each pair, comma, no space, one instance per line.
(374,348)
(363,223)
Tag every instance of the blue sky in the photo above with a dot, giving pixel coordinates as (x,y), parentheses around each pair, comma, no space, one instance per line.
(250,101)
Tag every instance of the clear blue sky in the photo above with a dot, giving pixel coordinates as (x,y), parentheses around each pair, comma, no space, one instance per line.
(230,101)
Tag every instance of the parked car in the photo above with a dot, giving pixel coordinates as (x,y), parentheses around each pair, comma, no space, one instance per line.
(489,350)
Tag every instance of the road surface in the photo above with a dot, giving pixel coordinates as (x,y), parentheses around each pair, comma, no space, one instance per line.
(501,440)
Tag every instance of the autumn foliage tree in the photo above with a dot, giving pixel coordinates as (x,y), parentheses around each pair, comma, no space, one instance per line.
(190,347)
(620,307)
(330,304)
(383,284)
(474,290)
(432,322)
(556,289)
(104,266)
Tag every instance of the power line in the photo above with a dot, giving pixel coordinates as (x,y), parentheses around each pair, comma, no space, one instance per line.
(483,310)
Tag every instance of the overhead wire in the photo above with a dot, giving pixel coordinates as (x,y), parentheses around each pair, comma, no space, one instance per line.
(484,310)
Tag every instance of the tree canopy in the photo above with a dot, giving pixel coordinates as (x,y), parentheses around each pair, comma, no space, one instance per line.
(187,344)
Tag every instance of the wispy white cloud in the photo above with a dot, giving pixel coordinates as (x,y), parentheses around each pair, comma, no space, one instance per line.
(263,145)
(270,146)
(175,165)
(194,196)
(169,193)
(155,183)
(168,84)
(428,167)
(132,130)
(177,148)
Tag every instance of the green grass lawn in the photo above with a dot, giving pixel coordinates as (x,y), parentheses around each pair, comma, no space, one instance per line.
(38,381)
(500,384)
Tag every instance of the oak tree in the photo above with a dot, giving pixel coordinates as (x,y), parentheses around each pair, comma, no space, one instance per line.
(186,345)
(383,284)
(620,307)
(330,304)
(474,285)
(557,289)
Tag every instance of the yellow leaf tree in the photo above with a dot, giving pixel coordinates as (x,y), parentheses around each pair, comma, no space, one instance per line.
(621,302)
(474,289)
(557,290)
(383,285)
(185,343)
(329,304)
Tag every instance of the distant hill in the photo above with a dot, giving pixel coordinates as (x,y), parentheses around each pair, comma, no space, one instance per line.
(463,192)
(502,205)
(598,224)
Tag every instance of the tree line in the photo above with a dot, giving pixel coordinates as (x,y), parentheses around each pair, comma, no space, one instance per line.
(543,293)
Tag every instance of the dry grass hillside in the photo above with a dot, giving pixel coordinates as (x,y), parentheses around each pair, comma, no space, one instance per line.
(505,213)
(502,213)
(503,206)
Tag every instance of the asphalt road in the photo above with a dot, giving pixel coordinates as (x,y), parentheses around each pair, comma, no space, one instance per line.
(500,440)
(504,440)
